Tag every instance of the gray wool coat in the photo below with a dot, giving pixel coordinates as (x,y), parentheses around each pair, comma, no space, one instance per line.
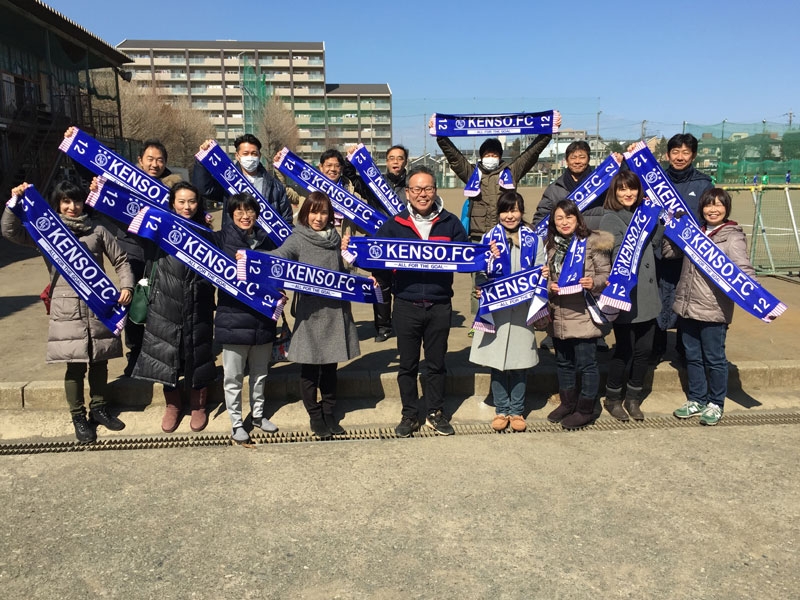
(513,344)
(645,298)
(324,330)
(75,334)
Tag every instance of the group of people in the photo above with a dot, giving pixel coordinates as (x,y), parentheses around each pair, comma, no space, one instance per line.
(185,317)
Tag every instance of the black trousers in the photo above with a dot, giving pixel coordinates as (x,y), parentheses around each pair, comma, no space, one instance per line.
(322,378)
(382,311)
(426,327)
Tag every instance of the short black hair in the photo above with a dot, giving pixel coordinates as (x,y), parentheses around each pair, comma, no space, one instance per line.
(417,170)
(332,153)
(491,145)
(247,138)
(710,196)
(683,139)
(244,201)
(576,146)
(66,189)
(508,200)
(400,147)
(154,143)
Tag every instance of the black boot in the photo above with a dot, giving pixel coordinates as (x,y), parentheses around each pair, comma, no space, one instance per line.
(100,415)
(582,416)
(83,430)
(613,404)
(568,400)
(320,429)
(333,424)
(633,399)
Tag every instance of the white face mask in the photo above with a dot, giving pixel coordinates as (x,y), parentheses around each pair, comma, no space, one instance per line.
(490,162)
(249,163)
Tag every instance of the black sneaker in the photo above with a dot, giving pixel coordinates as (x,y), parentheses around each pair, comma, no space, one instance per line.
(101,415)
(406,427)
(439,423)
(83,430)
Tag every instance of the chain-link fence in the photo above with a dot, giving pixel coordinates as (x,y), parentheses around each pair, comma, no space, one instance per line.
(775,241)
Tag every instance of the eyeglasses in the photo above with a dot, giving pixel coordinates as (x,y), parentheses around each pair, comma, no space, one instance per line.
(416,190)
(240,212)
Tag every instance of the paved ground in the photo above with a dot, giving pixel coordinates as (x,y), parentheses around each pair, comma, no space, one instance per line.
(692,513)
(680,513)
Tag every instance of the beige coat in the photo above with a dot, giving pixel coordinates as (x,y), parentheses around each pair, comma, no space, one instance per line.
(571,318)
(75,334)
(696,296)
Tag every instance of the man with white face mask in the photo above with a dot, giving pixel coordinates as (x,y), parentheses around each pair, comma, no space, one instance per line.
(483,207)
(248,159)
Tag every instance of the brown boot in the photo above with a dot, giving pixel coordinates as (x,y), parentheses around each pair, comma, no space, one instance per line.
(613,404)
(582,416)
(633,399)
(568,400)
(197,399)
(172,413)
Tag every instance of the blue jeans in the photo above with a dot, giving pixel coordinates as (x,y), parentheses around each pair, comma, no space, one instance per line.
(577,356)
(705,349)
(508,391)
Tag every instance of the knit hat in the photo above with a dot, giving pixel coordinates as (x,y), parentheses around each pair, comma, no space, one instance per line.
(491,145)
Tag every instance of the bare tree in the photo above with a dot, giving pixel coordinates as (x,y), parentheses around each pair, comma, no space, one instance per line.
(149,113)
(277,128)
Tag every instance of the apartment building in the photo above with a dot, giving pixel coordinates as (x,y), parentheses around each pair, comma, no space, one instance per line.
(229,80)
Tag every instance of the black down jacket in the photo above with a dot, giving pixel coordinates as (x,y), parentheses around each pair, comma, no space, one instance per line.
(178,334)
(237,323)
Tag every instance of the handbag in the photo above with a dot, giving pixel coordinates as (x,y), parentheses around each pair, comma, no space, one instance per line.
(280,347)
(47,293)
(140,303)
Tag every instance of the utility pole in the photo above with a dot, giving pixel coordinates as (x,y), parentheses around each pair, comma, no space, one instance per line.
(644,127)
(597,142)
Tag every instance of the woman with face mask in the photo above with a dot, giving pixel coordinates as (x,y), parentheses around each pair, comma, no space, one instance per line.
(178,333)
(75,335)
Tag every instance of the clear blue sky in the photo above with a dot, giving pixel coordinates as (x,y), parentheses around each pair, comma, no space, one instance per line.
(665,61)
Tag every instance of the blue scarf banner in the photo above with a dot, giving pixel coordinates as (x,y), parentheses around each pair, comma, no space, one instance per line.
(416,255)
(88,152)
(192,249)
(121,204)
(473,187)
(623,277)
(572,270)
(343,201)
(499,124)
(221,167)
(588,191)
(371,175)
(656,184)
(71,258)
(721,270)
(529,246)
(281,273)
(504,292)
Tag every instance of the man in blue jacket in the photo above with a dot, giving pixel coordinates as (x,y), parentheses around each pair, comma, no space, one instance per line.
(248,161)
(422,306)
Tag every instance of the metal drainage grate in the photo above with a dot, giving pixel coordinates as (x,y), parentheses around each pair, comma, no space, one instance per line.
(382,433)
